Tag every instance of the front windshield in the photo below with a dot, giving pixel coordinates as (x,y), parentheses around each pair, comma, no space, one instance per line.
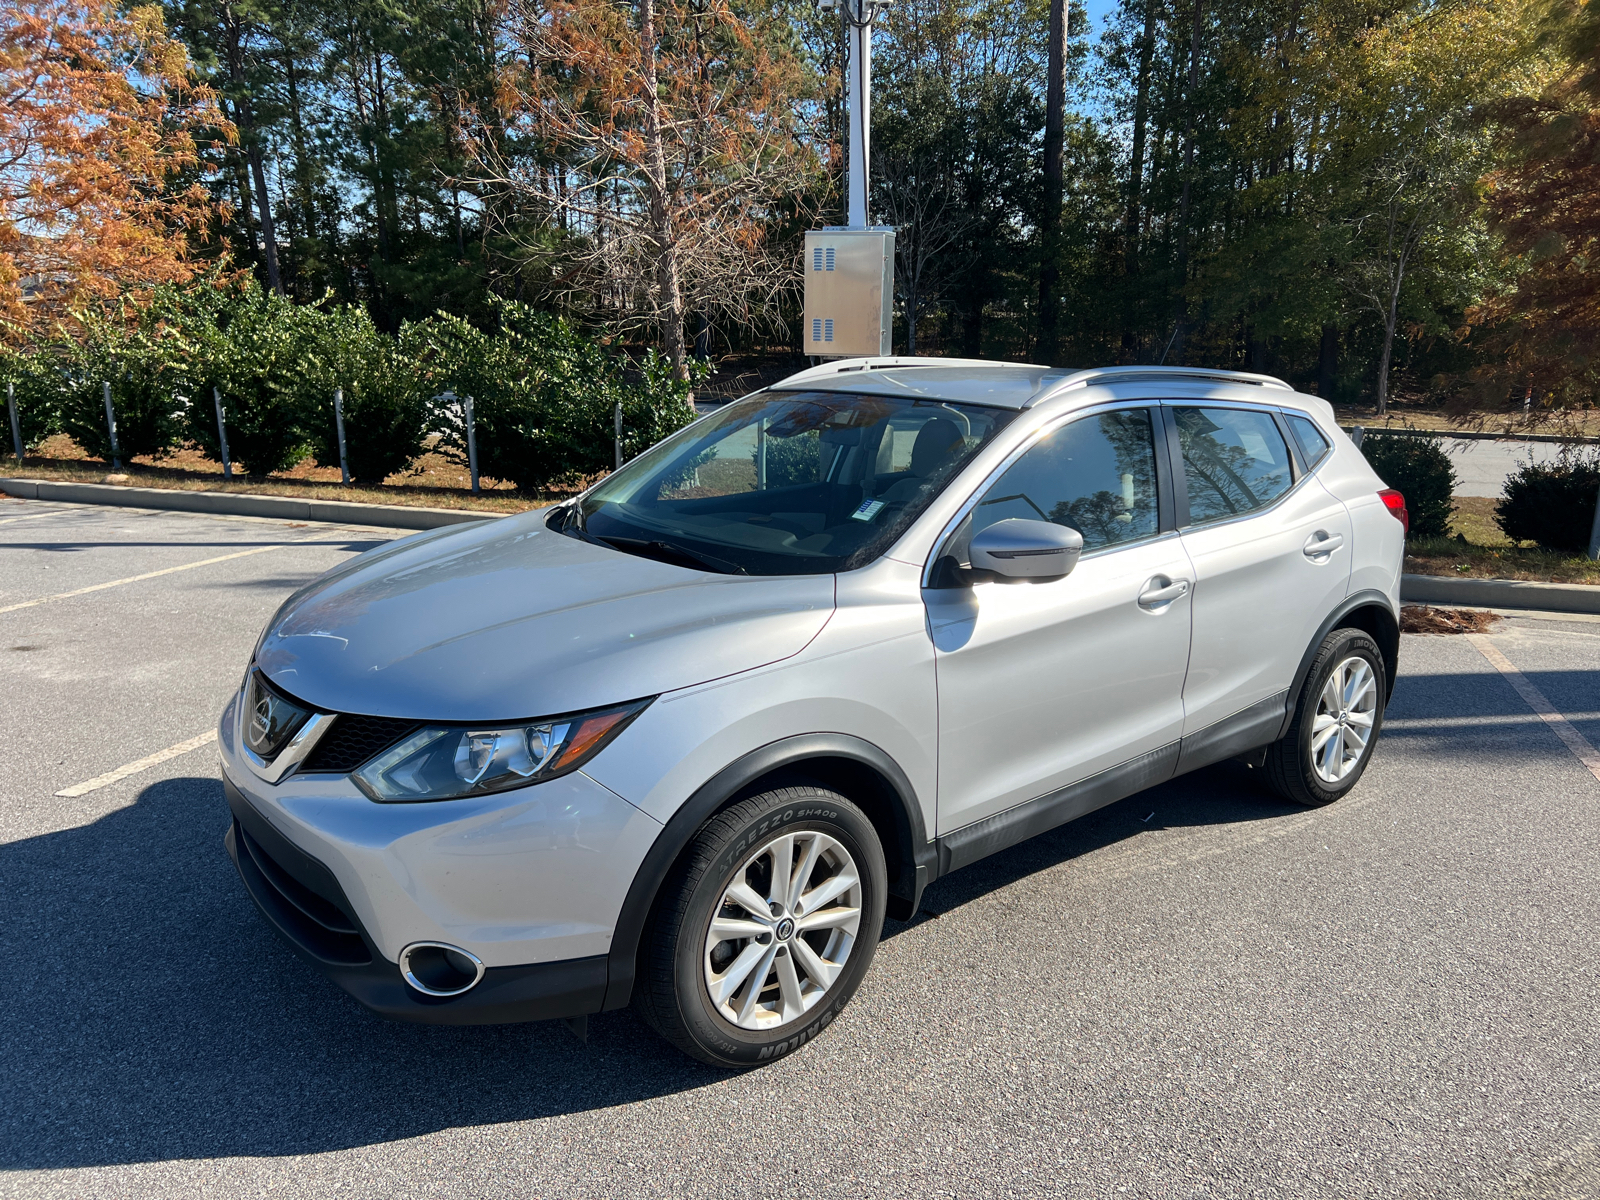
(787,483)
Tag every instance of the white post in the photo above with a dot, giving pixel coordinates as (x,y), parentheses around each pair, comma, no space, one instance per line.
(1594,530)
(16,427)
(618,415)
(472,442)
(338,420)
(859,13)
(111,425)
(222,433)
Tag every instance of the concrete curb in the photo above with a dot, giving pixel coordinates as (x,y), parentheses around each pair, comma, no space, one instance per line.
(1469,435)
(1500,593)
(242,504)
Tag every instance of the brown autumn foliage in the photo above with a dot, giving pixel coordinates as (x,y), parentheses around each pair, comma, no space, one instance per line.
(674,156)
(99,188)
(1545,203)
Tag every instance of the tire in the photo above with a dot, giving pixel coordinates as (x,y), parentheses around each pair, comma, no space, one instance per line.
(808,966)
(1299,765)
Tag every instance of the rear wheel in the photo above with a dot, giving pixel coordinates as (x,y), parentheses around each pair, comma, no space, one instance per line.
(766,928)
(1336,722)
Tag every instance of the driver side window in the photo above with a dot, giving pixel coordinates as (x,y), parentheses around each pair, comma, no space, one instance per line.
(1096,475)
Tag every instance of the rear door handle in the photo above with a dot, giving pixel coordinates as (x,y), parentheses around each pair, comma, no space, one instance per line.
(1161,590)
(1322,543)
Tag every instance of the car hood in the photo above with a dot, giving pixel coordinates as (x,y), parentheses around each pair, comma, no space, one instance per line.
(507,619)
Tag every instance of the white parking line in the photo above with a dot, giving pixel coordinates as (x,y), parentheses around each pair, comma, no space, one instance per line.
(142,764)
(30,517)
(1575,741)
(99,587)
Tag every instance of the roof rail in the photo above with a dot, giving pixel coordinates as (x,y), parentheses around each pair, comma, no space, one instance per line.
(839,366)
(1101,375)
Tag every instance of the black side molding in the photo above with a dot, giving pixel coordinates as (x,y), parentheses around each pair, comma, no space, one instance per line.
(1033,817)
(1245,730)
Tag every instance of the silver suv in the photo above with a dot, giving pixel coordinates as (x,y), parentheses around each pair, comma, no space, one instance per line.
(685,740)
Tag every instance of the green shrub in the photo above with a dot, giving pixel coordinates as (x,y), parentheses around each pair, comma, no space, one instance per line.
(544,395)
(386,409)
(143,362)
(36,386)
(1551,504)
(1420,470)
(253,350)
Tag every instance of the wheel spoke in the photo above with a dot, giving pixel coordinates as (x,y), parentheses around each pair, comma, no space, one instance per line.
(1333,753)
(1319,739)
(789,987)
(838,917)
(802,873)
(822,972)
(757,984)
(1360,720)
(825,891)
(732,929)
(782,852)
(1356,684)
(747,898)
(1331,694)
(728,982)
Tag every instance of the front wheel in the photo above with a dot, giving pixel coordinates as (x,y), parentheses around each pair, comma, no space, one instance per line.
(766,928)
(1336,722)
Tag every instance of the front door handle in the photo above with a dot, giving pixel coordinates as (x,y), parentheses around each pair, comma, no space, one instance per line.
(1162,591)
(1321,544)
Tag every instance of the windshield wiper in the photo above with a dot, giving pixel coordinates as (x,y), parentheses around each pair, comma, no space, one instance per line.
(669,552)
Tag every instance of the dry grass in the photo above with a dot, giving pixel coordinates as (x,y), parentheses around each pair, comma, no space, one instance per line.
(435,481)
(1476,549)
(1419,618)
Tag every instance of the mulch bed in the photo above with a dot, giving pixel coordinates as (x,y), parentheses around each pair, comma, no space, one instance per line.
(1419,618)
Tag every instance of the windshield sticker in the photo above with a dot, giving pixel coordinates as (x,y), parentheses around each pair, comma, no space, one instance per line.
(868,510)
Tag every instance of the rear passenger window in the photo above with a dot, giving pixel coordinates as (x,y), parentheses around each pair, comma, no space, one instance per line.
(1309,438)
(1234,461)
(1096,475)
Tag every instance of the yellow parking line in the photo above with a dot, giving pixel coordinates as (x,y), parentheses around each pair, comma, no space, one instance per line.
(1575,741)
(100,587)
(142,764)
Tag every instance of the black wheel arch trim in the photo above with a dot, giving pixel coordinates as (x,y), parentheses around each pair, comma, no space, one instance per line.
(1387,637)
(912,859)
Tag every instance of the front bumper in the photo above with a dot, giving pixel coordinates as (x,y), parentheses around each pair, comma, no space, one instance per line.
(302,900)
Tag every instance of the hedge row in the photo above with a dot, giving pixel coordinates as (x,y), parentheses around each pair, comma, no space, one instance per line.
(544,393)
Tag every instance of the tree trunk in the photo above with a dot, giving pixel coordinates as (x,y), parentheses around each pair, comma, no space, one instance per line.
(1327,360)
(1180,325)
(1131,218)
(1390,320)
(1054,155)
(671,299)
(244,118)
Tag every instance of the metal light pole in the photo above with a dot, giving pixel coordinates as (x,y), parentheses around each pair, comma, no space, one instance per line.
(619,436)
(338,420)
(222,433)
(16,427)
(859,14)
(1594,530)
(111,426)
(472,442)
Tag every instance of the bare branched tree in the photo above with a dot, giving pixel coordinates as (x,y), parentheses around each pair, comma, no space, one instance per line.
(922,200)
(671,157)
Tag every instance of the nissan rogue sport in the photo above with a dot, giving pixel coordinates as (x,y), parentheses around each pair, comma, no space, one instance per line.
(685,740)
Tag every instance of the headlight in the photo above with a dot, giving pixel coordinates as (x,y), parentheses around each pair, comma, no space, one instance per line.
(443,763)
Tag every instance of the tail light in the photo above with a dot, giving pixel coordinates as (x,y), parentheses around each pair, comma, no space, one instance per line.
(1396,504)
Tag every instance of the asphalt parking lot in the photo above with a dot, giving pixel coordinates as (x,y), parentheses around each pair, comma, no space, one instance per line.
(1198,992)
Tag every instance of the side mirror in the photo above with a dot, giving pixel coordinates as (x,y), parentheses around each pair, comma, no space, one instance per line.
(1021,549)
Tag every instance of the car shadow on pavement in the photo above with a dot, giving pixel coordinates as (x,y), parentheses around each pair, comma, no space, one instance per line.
(150,1014)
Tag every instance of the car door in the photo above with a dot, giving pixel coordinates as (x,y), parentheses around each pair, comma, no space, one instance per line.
(1271,550)
(1044,684)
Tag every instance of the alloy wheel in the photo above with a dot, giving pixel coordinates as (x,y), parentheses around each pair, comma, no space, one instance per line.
(783,931)
(1346,712)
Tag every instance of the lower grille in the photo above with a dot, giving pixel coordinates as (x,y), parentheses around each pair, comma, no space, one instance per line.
(353,740)
(318,926)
